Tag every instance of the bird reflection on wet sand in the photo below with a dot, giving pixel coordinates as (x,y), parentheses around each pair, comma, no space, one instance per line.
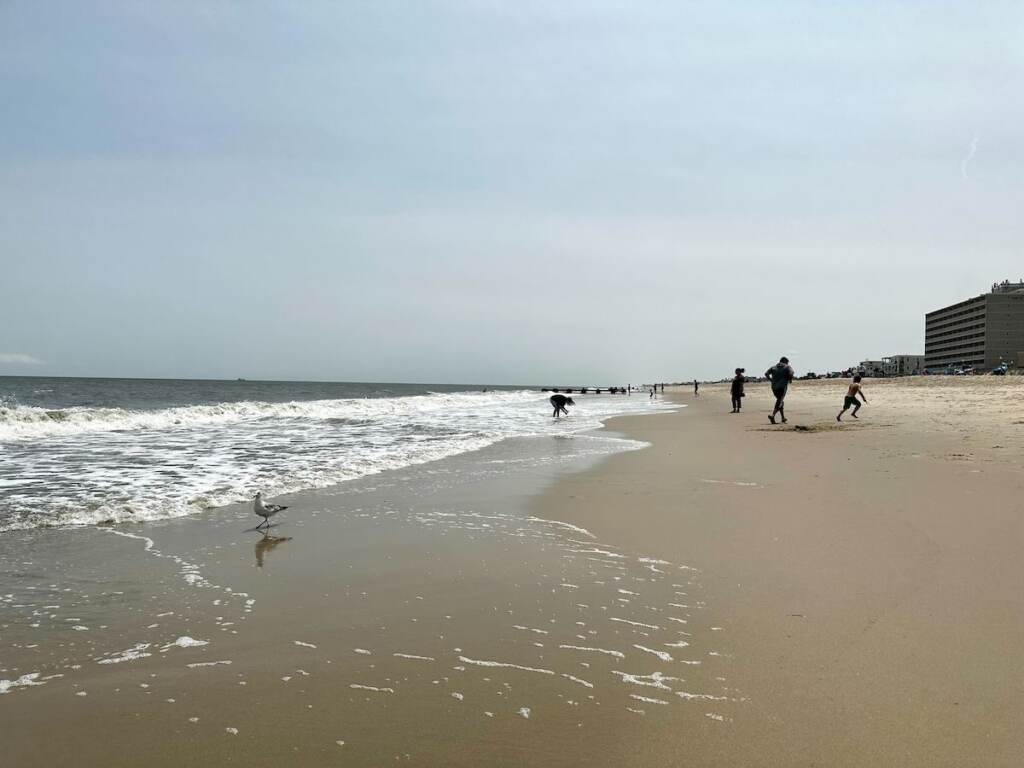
(267,543)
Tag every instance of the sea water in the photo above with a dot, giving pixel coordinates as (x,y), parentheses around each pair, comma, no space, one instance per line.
(87,451)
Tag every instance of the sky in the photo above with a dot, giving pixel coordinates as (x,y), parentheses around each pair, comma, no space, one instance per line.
(497,192)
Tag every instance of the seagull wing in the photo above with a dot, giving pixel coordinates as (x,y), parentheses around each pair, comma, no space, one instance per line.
(275,507)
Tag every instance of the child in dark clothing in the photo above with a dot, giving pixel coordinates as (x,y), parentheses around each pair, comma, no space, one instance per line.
(737,390)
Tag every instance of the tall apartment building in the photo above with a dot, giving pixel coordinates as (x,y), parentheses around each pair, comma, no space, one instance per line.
(981,332)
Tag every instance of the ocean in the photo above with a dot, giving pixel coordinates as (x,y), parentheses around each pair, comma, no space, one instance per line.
(77,451)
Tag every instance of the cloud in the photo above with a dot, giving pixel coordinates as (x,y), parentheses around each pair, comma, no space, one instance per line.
(971,149)
(17,358)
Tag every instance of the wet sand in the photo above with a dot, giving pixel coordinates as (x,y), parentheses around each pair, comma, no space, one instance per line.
(420,616)
(867,575)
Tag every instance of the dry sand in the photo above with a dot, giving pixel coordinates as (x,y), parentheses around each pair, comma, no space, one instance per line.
(867,576)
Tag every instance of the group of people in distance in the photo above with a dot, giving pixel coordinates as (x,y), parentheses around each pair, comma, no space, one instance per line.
(779,376)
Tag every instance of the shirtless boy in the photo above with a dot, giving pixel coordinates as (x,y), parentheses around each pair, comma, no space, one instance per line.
(851,398)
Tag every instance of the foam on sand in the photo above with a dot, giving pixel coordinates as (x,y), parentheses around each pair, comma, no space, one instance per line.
(653,680)
(25,681)
(700,696)
(560,524)
(186,642)
(617,654)
(577,680)
(134,653)
(634,623)
(647,699)
(530,629)
(660,654)
(504,665)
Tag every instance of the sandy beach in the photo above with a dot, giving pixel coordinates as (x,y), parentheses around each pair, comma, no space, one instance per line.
(866,575)
(732,594)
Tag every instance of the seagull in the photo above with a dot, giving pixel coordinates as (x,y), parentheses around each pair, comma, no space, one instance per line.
(266,511)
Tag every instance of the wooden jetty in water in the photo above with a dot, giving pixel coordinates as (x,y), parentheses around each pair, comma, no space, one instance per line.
(590,390)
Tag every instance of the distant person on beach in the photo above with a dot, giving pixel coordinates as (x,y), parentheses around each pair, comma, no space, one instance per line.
(851,398)
(780,375)
(559,402)
(737,390)
(652,393)
(696,388)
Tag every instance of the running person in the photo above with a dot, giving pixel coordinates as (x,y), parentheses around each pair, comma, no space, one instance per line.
(851,398)
(780,375)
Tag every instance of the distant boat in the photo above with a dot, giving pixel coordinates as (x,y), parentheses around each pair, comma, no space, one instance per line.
(241,379)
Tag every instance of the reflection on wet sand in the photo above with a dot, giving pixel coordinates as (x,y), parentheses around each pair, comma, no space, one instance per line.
(266,544)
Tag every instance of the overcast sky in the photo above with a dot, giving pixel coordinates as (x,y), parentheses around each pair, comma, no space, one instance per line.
(489,192)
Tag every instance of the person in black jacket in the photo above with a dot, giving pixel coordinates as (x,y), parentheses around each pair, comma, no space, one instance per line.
(780,375)
(737,390)
(559,402)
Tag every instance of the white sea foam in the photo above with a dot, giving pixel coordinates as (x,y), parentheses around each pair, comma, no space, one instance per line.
(186,642)
(148,542)
(189,458)
(700,696)
(729,482)
(358,687)
(577,680)
(504,665)
(560,524)
(131,654)
(664,656)
(647,699)
(25,681)
(653,680)
(634,623)
(530,629)
(617,654)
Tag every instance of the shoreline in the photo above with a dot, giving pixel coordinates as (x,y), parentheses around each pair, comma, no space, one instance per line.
(731,594)
(865,576)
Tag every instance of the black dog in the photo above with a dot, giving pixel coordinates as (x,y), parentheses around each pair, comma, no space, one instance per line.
(559,402)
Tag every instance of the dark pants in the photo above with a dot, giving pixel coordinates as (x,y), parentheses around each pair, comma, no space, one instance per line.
(737,401)
(780,397)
